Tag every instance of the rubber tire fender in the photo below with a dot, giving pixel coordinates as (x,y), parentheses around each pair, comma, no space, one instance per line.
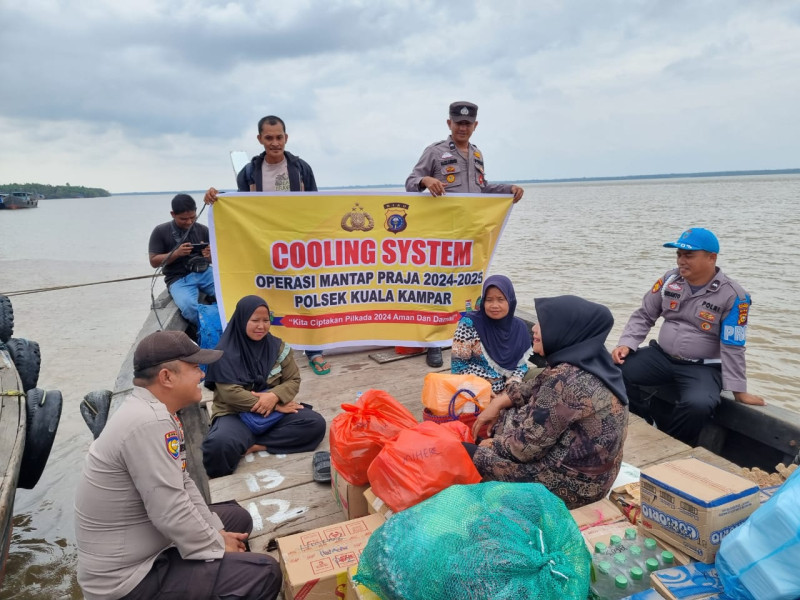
(43,412)
(27,359)
(6,319)
(94,410)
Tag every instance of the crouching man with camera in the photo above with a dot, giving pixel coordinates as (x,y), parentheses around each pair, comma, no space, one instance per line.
(181,247)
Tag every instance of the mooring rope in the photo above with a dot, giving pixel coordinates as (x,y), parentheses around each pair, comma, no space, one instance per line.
(75,285)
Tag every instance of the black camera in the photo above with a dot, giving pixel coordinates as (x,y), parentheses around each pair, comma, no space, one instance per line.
(197,264)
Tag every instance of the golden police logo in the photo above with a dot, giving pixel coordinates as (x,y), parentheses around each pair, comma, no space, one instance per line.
(173,443)
(657,286)
(705,326)
(477,154)
(704,314)
(673,304)
(451,178)
(744,308)
(395,217)
(357,220)
(450,170)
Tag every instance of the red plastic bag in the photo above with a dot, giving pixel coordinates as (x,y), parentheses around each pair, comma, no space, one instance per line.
(461,429)
(359,433)
(419,463)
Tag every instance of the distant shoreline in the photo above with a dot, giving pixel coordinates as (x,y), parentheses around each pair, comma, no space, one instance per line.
(563,180)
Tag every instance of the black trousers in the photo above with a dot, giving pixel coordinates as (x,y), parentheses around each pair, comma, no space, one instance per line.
(229,438)
(698,389)
(236,576)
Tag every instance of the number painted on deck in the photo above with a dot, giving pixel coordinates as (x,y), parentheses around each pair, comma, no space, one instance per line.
(283,512)
(263,480)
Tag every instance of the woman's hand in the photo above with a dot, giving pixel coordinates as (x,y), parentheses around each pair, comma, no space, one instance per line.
(491,413)
(289,407)
(265,403)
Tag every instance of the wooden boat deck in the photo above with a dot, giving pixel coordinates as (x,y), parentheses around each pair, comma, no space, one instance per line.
(280,493)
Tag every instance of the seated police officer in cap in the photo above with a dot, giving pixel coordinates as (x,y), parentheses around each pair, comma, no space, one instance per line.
(701,345)
(142,527)
(180,247)
(454,165)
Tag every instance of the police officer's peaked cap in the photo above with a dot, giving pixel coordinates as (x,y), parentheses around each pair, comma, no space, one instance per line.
(463,111)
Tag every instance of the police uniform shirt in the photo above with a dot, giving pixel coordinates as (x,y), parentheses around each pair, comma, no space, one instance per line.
(709,324)
(460,174)
(135,499)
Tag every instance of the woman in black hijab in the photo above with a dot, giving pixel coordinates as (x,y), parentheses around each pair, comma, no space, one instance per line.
(255,383)
(566,427)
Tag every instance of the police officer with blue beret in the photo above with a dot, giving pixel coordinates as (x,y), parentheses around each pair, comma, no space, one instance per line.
(701,343)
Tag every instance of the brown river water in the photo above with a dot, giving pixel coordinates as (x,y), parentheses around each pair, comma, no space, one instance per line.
(600,240)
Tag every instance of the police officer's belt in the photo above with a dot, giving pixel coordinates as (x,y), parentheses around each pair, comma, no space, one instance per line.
(686,361)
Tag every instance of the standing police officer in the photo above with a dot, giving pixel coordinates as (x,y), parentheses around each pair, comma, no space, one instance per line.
(701,344)
(457,166)
(454,163)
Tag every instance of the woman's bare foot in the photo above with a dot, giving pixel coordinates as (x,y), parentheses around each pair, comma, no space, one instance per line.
(255,448)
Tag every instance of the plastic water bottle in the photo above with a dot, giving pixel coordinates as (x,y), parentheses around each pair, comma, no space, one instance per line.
(615,545)
(600,549)
(622,589)
(650,548)
(637,580)
(636,556)
(666,559)
(621,565)
(603,585)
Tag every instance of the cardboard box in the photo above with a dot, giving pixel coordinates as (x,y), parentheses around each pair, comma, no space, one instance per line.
(315,563)
(695,581)
(349,497)
(597,513)
(693,505)
(356,591)
(376,505)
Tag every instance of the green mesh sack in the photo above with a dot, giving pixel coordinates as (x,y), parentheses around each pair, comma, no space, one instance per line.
(488,541)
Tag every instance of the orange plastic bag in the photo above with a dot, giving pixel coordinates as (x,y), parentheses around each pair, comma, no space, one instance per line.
(419,463)
(359,433)
(461,429)
(439,389)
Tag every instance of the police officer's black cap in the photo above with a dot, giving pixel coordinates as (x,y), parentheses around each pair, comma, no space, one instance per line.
(463,111)
(165,346)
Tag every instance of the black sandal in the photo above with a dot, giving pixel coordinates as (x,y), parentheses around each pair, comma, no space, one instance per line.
(322,466)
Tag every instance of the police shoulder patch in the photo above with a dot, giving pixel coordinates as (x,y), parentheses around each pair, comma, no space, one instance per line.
(173,444)
(657,286)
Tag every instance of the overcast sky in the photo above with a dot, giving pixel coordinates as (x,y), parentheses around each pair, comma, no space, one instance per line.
(152,95)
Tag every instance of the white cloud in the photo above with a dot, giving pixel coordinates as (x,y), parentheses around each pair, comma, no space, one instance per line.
(152,95)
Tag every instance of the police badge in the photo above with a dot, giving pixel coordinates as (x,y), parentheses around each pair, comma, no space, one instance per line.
(357,220)
(395,217)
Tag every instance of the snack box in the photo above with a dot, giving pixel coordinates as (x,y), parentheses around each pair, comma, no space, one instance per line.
(692,505)
(315,563)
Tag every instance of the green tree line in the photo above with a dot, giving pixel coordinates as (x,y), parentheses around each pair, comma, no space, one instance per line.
(54,191)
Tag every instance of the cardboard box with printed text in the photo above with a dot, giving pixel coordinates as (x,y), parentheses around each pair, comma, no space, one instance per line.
(315,563)
(693,505)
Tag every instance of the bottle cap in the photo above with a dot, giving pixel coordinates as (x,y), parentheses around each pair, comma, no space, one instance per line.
(600,548)
(620,558)
(621,581)
(651,564)
(615,540)
(667,557)
(635,551)
(650,543)
(630,533)
(604,567)
(636,573)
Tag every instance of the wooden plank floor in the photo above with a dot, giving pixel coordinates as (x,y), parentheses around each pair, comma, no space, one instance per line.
(279,491)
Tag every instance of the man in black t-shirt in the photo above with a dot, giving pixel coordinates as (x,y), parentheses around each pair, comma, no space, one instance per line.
(181,247)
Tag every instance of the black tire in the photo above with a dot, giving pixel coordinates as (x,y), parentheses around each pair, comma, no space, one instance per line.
(27,359)
(94,410)
(43,413)
(6,319)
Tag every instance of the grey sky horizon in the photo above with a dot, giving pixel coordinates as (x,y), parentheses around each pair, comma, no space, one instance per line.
(154,95)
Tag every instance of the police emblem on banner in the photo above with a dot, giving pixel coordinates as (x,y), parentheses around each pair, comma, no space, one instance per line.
(395,217)
(173,443)
(357,220)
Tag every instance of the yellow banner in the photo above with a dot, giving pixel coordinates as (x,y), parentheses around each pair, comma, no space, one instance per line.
(352,269)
